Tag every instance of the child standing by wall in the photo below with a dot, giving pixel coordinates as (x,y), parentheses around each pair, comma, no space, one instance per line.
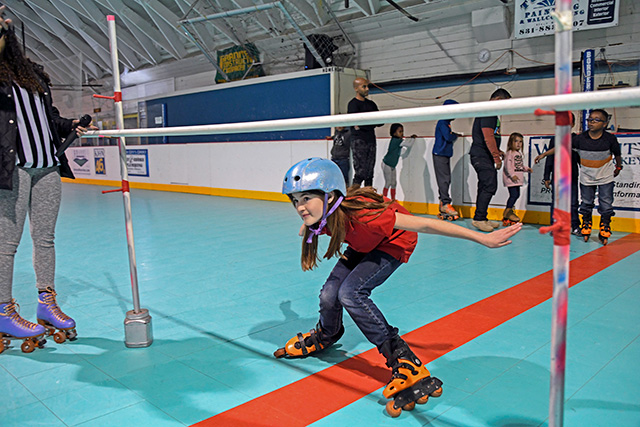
(442,153)
(390,160)
(341,150)
(513,175)
(381,235)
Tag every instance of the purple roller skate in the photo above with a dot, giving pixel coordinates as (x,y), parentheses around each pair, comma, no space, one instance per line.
(14,327)
(51,317)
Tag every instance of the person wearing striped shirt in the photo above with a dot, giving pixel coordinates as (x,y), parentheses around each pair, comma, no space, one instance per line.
(30,132)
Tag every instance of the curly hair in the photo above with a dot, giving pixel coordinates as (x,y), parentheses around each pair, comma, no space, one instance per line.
(17,68)
(356,200)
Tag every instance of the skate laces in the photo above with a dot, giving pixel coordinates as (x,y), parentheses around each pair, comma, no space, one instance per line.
(49,299)
(11,312)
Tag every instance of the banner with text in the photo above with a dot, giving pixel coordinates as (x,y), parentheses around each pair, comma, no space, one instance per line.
(533,17)
(239,62)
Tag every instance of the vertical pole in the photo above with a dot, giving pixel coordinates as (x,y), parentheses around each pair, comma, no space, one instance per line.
(561,237)
(138,321)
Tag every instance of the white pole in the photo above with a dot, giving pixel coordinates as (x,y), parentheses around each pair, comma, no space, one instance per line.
(138,321)
(574,101)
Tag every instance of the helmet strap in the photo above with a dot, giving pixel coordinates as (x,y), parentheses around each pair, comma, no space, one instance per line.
(325,215)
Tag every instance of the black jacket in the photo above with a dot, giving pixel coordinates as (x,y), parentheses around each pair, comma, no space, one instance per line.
(9,133)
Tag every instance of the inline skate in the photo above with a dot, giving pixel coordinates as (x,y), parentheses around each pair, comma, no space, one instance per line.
(605,233)
(586,228)
(447,212)
(14,327)
(302,345)
(411,382)
(56,323)
(509,217)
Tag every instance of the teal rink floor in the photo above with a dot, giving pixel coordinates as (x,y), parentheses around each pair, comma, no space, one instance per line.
(221,278)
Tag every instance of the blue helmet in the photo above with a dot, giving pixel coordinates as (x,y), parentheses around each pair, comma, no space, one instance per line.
(314,173)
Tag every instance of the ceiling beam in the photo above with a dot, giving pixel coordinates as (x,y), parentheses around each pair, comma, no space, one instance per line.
(166,21)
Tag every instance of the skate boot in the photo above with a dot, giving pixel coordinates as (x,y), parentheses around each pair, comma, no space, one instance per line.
(509,217)
(410,382)
(447,212)
(14,327)
(51,317)
(302,345)
(605,233)
(586,228)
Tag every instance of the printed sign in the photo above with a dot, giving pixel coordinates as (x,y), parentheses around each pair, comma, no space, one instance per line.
(80,163)
(138,162)
(99,161)
(239,62)
(626,194)
(533,17)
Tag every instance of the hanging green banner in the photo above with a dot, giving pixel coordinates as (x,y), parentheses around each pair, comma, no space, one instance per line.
(239,62)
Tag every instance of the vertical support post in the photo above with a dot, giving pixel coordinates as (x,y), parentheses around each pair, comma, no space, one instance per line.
(561,237)
(138,332)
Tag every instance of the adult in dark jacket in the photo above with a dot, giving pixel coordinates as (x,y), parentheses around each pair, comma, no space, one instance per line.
(30,129)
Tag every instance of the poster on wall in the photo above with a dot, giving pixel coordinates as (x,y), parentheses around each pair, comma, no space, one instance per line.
(80,163)
(99,161)
(626,193)
(138,162)
(534,17)
(239,62)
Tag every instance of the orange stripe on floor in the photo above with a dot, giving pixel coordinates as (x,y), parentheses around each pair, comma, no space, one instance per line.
(319,395)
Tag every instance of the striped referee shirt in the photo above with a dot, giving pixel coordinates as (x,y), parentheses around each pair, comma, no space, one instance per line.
(35,142)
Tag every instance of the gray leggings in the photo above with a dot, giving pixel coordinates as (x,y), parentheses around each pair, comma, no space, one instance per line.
(38,192)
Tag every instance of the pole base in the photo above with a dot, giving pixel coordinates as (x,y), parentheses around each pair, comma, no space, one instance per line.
(137,329)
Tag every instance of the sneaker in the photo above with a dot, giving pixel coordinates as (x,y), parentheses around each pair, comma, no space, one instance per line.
(494,224)
(482,225)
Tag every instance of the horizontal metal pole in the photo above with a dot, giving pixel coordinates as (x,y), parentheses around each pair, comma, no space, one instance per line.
(230,13)
(628,97)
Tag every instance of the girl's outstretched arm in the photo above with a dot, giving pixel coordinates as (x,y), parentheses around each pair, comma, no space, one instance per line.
(495,239)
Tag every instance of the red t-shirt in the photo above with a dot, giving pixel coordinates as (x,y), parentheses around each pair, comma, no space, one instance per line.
(366,233)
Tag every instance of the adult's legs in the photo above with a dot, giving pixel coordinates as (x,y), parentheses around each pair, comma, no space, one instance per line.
(442,168)
(487,185)
(370,162)
(46,193)
(359,150)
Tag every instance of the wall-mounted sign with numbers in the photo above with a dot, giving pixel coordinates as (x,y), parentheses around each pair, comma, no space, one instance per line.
(533,17)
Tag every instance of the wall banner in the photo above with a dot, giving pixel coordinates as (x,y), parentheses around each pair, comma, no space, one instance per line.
(99,161)
(239,62)
(138,162)
(80,163)
(533,17)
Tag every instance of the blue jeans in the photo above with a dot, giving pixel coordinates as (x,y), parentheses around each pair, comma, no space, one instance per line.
(349,286)
(605,201)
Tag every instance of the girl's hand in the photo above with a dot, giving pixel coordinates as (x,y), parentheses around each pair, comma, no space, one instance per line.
(515,179)
(529,170)
(499,238)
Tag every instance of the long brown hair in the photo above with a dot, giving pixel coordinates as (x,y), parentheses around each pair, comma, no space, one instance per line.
(17,68)
(357,199)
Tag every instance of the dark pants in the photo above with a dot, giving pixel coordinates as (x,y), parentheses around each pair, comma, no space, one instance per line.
(514,195)
(442,168)
(344,165)
(487,185)
(364,158)
(605,201)
(349,286)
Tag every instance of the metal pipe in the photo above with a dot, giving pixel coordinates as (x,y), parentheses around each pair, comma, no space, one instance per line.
(230,13)
(575,101)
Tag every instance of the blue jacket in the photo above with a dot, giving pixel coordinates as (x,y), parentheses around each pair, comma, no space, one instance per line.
(444,139)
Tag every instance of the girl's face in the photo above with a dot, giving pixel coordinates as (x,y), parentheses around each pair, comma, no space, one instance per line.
(517,143)
(399,133)
(309,206)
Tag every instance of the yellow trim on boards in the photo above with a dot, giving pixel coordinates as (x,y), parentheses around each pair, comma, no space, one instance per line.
(627,225)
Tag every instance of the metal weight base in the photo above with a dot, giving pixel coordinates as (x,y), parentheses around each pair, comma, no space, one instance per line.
(137,329)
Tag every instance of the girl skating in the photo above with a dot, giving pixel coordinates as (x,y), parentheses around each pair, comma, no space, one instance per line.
(381,235)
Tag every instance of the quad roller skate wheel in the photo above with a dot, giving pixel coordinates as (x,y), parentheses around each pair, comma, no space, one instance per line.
(60,337)
(28,346)
(279,353)
(2,345)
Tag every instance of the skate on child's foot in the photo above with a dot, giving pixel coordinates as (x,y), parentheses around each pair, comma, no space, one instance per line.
(605,233)
(509,217)
(51,318)
(14,327)
(302,345)
(447,212)
(410,382)
(586,228)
